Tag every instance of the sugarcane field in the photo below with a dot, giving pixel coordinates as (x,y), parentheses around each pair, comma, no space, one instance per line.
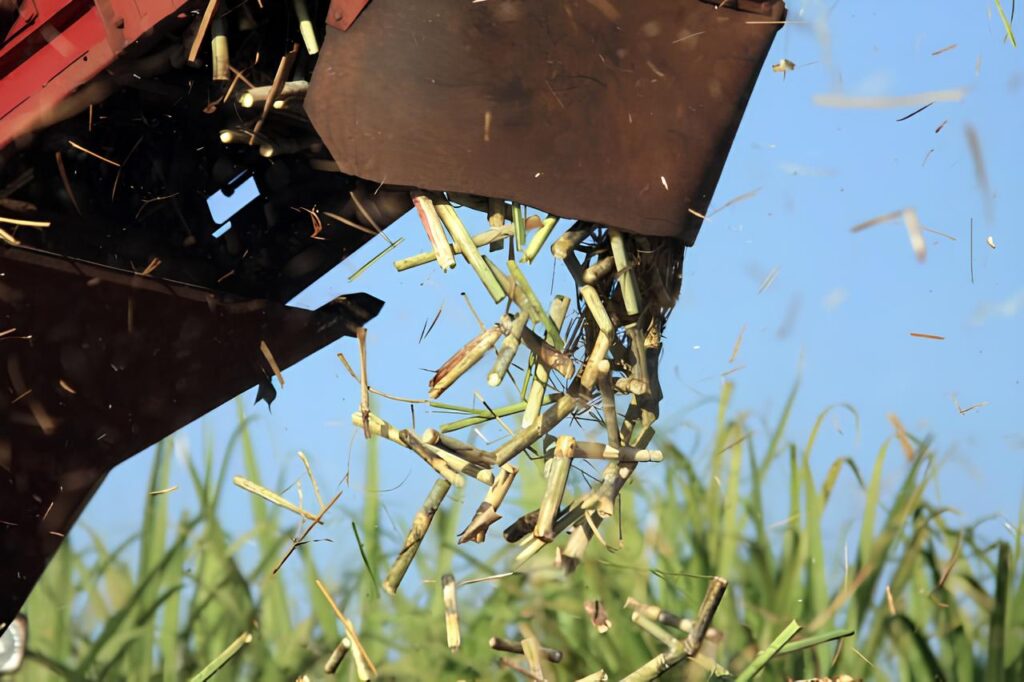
(511,340)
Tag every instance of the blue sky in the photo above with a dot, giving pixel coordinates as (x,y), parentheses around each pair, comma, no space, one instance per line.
(838,313)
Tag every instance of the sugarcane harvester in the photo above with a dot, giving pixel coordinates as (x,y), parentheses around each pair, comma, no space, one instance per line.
(127,310)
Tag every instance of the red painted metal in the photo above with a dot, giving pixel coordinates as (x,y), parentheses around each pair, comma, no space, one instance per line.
(344,12)
(56,46)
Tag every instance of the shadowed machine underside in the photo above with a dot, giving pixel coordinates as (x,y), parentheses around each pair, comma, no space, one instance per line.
(127,309)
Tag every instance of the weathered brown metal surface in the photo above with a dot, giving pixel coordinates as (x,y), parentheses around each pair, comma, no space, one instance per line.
(620,113)
(97,364)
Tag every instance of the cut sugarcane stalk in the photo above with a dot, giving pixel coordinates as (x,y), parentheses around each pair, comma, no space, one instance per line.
(487,513)
(337,656)
(509,346)
(591,450)
(624,266)
(451,612)
(537,241)
(547,354)
(460,465)
(593,300)
(572,238)
(659,615)
(409,440)
(512,647)
(519,225)
(463,360)
(258,95)
(536,309)
(557,477)
(435,233)
(597,363)
(611,416)
(377,427)
(220,59)
(595,273)
(460,448)
(306,27)
(420,524)
(481,239)
(527,437)
(559,307)
(467,247)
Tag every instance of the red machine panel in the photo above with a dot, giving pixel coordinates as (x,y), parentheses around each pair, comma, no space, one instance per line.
(55,46)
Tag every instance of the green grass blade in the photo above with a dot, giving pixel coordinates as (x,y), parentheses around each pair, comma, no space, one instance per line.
(997,622)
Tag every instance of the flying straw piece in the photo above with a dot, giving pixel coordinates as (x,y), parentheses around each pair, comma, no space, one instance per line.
(527,437)
(435,233)
(933,337)
(537,241)
(556,311)
(513,647)
(273,498)
(487,513)
(265,349)
(463,360)
(557,477)
(509,346)
(364,385)
(903,102)
(19,222)
(337,656)
(504,411)
(570,239)
(466,245)
(312,478)
(420,525)
(222,659)
(276,87)
(409,440)
(204,25)
(350,630)
(915,234)
(62,171)
(93,154)
(451,612)
(302,538)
